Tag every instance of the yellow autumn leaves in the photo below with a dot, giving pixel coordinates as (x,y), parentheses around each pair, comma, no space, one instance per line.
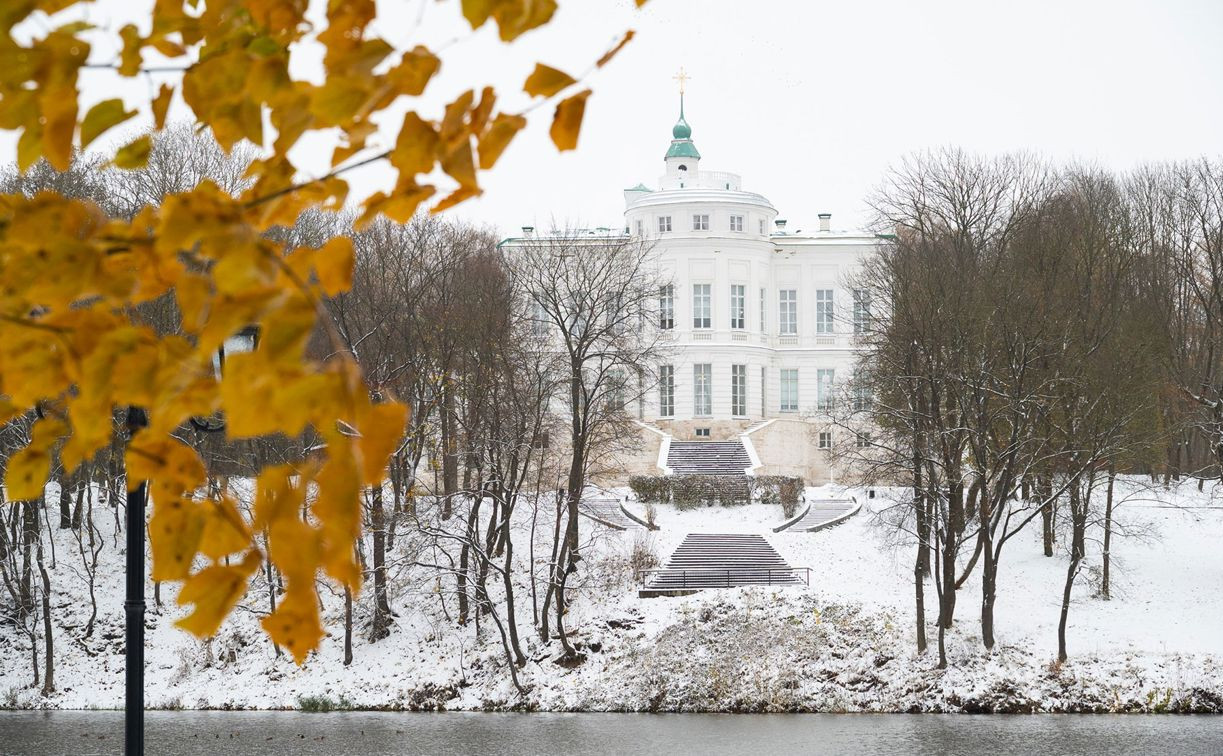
(73,349)
(70,349)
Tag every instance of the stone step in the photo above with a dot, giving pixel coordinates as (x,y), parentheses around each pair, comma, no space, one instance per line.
(821,514)
(720,560)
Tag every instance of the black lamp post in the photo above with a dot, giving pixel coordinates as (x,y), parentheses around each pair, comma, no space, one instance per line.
(137,501)
(133,717)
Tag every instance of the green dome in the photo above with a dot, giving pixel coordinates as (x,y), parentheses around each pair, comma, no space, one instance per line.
(681,142)
(682,130)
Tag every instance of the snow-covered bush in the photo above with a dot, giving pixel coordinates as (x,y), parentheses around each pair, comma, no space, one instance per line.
(778,489)
(650,489)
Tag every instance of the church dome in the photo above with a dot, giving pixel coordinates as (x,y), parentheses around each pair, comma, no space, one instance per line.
(682,130)
(681,137)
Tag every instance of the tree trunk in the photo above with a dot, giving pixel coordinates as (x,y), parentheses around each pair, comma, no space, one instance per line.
(519,658)
(48,684)
(465,559)
(450,460)
(919,578)
(65,503)
(921,566)
(1046,514)
(1078,522)
(347,626)
(1108,534)
(380,625)
(955,518)
(552,568)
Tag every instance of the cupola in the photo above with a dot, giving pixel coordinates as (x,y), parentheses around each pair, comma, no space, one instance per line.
(682,156)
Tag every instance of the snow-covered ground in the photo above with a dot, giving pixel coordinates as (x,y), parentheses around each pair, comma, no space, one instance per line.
(846,643)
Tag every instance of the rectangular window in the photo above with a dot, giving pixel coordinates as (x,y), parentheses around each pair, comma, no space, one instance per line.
(666,390)
(738,306)
(666,307)
(664,223)
(763,321)
(787,312)
(823,311)
(824,378)
(789,390)
(539,321)
(702,432)
(580,314)
(640,228)
(738,389)
(736,223)
(615,391)
(700,222)
(702,307)
(764,407)
(862,310)
(862,399)
(702,390)
(862,440)
(762,226)
(825,439)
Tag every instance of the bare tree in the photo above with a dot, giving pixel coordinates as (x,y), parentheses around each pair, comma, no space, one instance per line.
(593,296)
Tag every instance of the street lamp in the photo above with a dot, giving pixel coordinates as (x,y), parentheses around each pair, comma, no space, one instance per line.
(134,606)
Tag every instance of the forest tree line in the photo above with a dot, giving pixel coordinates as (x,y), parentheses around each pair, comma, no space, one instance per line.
(1036,330)
(521,370)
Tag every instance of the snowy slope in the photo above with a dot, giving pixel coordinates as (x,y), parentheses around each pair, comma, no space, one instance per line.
(844,643)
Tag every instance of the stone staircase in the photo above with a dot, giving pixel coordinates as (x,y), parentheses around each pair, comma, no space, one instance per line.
(708,458)
(606,511)
(720,560)
(820,514)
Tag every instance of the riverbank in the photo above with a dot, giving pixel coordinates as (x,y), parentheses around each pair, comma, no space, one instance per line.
(844,644)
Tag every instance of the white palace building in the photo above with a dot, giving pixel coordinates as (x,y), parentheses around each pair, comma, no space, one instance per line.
(762,318)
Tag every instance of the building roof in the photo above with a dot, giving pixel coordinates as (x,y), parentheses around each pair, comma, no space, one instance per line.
(683,148)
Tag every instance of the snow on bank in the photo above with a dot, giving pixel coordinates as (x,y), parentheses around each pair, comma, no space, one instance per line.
(843,644)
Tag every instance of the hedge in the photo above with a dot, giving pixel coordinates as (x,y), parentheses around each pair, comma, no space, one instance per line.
(690,491)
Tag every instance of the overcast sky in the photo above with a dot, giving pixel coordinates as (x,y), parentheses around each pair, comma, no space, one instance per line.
(809,101)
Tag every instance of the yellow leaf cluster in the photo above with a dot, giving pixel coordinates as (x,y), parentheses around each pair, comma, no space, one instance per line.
(72,350)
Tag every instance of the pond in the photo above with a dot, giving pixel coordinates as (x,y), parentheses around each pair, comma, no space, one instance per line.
(370,733)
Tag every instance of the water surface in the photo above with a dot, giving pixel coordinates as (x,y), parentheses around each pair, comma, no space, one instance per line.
(373,733)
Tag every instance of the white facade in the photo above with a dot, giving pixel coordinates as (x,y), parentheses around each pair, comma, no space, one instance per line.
(758,318)
(779,314)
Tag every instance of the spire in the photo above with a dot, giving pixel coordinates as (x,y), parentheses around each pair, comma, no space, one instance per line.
(681,130)
(681,133)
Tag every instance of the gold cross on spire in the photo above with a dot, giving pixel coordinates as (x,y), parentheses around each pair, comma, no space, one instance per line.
(681,77)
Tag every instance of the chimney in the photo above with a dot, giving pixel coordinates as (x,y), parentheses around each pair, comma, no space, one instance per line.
(781,225)
(528,230)
(825,221)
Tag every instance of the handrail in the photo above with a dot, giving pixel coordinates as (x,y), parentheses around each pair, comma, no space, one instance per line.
(793,519)
(625,511)
(773,575)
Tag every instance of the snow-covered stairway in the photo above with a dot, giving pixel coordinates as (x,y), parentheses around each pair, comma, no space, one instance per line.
(720,560)
(708,458)
(607,512)
(820,514)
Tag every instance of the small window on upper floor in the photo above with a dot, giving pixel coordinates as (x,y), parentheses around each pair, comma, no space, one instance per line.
(736,223)
(700,222)
(762,226)
(684,168)
(640,228)
(664,223)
